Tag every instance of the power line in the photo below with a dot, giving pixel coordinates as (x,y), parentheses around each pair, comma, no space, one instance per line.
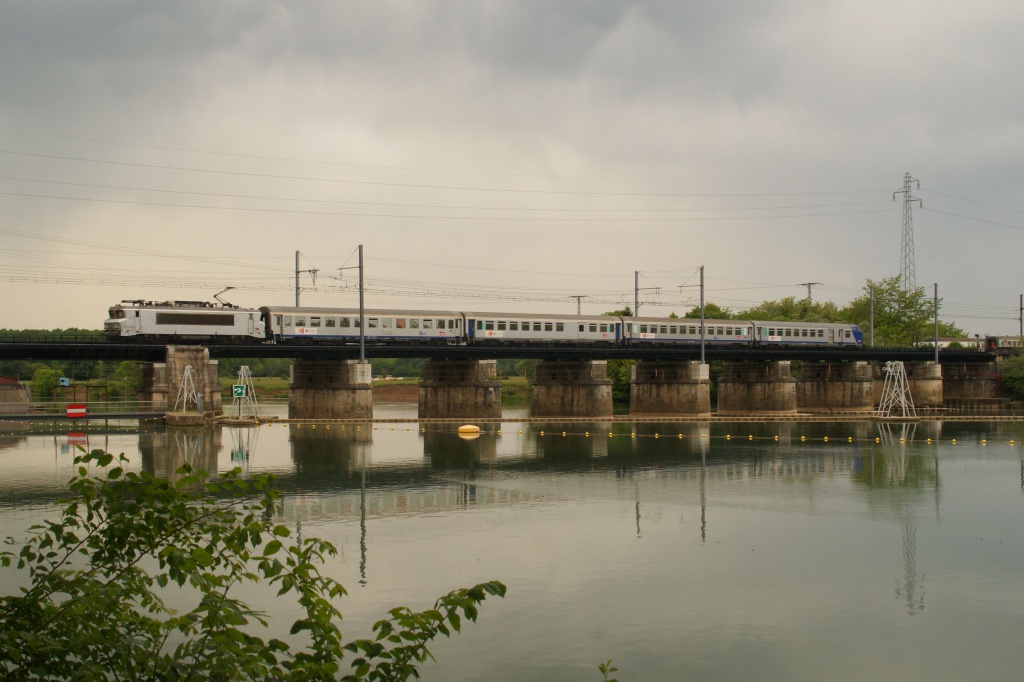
(274,176)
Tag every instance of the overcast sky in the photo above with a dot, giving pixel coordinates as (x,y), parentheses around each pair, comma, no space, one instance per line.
(507,155)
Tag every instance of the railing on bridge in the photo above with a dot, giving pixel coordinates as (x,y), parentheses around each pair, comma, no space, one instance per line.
(95,408)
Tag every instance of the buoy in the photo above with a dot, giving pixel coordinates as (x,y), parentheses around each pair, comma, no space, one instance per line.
(472,428)
(750,437)
(776,437)
(803,438)
(850,439)
(655,435)
(826,439)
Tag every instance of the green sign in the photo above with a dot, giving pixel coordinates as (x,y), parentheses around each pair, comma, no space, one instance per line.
(238,390)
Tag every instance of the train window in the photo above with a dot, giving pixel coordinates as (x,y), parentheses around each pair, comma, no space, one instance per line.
(489,325)
(479,324)
(300,321)
(821,333)
(593,327)
(314,322)
(356,322)
(414,323)
(277,320)
(330,322)
(728,331)
(454,324)
(400,323)
(664,329)
(345,322)
(536,326)
(672,329)
(547,326)
(583,327)
(559,326)
(718,331)
(429,324)
(847,334)
(501,325)
(513,326)
(643,329)
(803,332)
(789,332)
(372,323)
(605,328)
(387,322)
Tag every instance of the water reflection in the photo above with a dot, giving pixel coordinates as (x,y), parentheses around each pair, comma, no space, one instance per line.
(163,452)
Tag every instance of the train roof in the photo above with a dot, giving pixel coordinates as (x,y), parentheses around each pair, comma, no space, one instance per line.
(378,312)
(208,305)
(536,316)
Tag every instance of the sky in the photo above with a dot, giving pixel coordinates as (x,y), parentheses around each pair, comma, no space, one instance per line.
(501,155)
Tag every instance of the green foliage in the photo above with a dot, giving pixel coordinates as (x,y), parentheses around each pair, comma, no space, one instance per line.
(621,312)
(94,609)
(712,311)
(902,318)
(1013,376)
(607,669)
(791,310)
(621,374)
(45,382)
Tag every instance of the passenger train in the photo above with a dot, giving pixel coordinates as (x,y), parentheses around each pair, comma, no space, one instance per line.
(203,322)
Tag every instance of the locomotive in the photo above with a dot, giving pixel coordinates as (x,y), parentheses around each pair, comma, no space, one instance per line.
(203,322)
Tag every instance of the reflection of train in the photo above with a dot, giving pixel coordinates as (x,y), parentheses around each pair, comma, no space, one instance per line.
(208,322)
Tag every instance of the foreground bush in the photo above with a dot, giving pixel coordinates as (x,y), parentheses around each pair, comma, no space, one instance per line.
(92,607)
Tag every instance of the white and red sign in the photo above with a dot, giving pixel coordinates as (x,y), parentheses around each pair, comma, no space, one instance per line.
(76,411)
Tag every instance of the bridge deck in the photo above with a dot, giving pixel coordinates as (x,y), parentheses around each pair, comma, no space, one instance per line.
(51,349)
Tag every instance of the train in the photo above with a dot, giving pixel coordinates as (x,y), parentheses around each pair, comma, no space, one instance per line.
(203,322)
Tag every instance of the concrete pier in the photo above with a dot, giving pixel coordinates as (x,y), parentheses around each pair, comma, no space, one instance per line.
(757,388)
(460,389)
(161,381)
(971,387)
(925,380)
(571,388)
(330,389)
(835,387)
(669,388)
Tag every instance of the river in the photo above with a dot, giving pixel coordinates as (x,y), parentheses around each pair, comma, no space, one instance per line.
(713,551)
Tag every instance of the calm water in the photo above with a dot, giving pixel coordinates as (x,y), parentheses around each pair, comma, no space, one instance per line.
(685,551)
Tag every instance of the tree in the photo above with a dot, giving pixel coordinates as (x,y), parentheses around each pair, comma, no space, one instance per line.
(791,310)
(902,318)
(712,311)
(44,382)
(93,610)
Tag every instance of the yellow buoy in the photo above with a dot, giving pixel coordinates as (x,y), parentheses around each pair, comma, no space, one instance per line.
(471,428)
(803,438)
(826,439)
(750,437)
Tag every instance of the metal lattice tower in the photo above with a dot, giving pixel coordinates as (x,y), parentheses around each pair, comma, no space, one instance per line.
(896,392)
(246,403)
(908,277)
(187,393)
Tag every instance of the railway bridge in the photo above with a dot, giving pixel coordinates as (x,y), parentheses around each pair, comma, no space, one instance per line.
(330,381)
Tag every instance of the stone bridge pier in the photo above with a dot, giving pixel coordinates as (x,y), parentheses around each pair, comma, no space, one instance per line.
(330,389)
(460,389)
(670,388)
(757,387)
(571,388)
(161,381)
(971,387)
(836,387)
